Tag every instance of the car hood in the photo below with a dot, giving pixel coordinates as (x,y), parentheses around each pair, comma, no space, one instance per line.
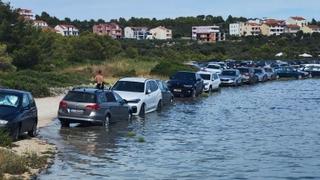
(8,113)
(130,95)
(227,77)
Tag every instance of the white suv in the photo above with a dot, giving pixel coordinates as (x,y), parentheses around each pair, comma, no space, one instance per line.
(143,95)
(211,80)
(214,68)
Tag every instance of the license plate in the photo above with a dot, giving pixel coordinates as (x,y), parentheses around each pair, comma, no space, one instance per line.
(177,90)
(76,111)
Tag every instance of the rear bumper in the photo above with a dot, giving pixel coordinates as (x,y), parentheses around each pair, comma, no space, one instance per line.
(72,119)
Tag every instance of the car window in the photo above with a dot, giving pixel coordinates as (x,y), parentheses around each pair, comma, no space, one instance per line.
(216,76)
(25,101)
(148,86)
(129,86)
(9,100)
(154,86)
(165,86)
(118,97)
(81,97)
(161,85)
(110,97)
(102,98)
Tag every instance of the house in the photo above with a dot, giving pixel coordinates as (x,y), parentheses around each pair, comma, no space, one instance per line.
(137,33)
(251,29)
(272,27)
(207,34)
(161,33)
(296,20)
(108,29)
(40,24)
(67,30)
(292,29)
(236,29)
(26,14)
(311,29)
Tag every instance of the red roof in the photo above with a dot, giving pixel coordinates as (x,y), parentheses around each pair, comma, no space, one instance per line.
(292,26)
(314,27)
(298,18)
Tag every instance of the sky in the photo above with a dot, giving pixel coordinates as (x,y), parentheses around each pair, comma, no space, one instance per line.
(113,9)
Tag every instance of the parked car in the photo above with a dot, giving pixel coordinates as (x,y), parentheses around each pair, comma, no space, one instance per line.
(186,84)
(289,72)
(271,73)
(18,113)
(89,105)
(231,77)
(312,69)
(167,96)
(248,75)
(143,95)
(261,74)
(211,81)
(214,68)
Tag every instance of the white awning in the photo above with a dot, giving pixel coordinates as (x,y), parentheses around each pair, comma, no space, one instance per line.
(279,54)
(305,55)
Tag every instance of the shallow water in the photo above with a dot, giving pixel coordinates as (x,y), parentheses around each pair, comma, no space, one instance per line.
(266,131)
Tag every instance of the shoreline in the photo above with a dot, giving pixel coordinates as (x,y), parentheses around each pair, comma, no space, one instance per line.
(47,111)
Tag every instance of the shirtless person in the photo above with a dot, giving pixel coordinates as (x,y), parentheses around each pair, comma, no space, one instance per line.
(99,80)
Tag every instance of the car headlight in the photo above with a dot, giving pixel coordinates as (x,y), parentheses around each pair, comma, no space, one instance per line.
(188,86)
(3,122)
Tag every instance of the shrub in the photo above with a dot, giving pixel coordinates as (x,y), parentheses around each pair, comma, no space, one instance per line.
(11,163)
(5,139)
(165,68)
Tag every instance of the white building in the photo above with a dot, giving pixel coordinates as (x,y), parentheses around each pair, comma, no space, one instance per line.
(67,30)
(296,20)
(40,24)
(161,33)
(236,29)
(207,33)
(26,14)
(273,27)
(137,33)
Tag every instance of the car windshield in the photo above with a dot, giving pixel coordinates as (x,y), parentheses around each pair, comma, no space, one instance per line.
(81,97)
(7,99)
(129,86)
(213,66)
(185,76)
(205,76)
(229,73)
(244,70)
(257,71)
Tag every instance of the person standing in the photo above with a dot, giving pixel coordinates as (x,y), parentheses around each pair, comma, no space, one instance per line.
(99,80)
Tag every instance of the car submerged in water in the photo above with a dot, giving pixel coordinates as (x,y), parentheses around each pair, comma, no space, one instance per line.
(248,75)
(18,113)
(186,84)
(290,72)
(211,81)
(89,105)
(231,77)
(261,74)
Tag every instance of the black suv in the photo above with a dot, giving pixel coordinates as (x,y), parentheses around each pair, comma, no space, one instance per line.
(18,113)
(248,75)
(186,84)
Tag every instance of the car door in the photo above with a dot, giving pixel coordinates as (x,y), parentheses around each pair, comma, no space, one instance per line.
(167,96)
(154,94)
(149,98)
(215,81)
(27,112)
(122,107)
(113,106)
(199,83)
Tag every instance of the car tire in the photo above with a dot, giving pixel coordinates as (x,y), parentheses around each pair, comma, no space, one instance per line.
(159,106)
(142,112)
(194,93)
(299,77)
(16,133)
(106,121)
(33,131)
(210,89)
(64,123)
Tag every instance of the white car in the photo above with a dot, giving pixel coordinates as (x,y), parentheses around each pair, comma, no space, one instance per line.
(211,80)
(214,68)
(143,95)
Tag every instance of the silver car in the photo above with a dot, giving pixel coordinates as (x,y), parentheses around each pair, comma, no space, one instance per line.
(88,105)
(261,74)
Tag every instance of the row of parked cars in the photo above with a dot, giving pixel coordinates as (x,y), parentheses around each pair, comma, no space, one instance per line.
(136,96)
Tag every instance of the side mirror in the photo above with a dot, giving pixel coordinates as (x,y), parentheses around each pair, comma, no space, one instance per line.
(123,101)
(148,91)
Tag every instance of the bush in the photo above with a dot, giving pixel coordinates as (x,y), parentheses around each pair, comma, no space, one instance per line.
(11,163)
(169,68)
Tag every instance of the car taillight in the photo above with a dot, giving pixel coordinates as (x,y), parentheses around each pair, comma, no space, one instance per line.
(63,105)
(92,107)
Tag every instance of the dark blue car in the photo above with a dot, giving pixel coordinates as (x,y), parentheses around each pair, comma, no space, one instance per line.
(186,84)
(290,72)
(18,113)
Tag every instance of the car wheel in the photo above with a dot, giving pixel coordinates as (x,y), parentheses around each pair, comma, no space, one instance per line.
(33,131)
(210,89)
(142,112)
(16,132)
(277,77)
(299,77)
(194,93)
(106,121)
(310,75)
(159,106)
(64,123)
